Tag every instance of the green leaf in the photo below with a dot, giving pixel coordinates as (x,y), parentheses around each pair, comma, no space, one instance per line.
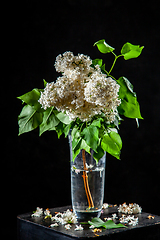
(129,105)
(90,135)
(76,147)
(67,129)
(75,133)
(75,142)
(60,129)
(52,129)
(110,225)
(79,144)
(103,69)
(28,119)
(45,83)
(75,152)
(97,61)
(130,110)
(126,87)
(32,98)
(97,223)
(100,152)
(76,137)
(84,146)
(131,51)
(112,144)
(116,138)
(49,121)
(97,122)
(63,118)
(103,47)
(117,121)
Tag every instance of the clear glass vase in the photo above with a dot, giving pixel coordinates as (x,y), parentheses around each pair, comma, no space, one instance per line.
(87,184)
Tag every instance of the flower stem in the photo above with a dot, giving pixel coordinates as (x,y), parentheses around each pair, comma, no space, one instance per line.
(114,62)
(85,179)
(113,65)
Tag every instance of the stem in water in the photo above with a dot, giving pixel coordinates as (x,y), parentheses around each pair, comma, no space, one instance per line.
(85,179)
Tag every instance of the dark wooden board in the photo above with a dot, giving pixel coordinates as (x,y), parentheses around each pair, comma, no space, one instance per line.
(33,228)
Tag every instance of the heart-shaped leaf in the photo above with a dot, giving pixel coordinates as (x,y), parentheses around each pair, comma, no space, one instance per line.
(103,47)
(97,61)
(131,51)
(90,135)
(28,119)
(49,121)
(129,105)
(32,98)
(112,144)
(97,223)
(63,118)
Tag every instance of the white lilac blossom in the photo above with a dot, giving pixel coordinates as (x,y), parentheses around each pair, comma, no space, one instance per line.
(76,170)
(47,213)
(69,217)
(82,91)
(92,226)
(105,206)
(114,217)
(130,220)
(58,220)
(67,226)
(132,208)
(78,228)
(68,61)
(38,212)
(54,225)
(90,166)
(64,218)
(108,218)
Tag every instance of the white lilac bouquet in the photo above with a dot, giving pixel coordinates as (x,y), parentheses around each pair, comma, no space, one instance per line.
(86,99)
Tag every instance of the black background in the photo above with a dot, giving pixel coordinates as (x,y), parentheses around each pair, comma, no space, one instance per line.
(38,167)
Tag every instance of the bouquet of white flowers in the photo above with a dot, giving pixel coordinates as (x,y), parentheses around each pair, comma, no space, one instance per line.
(83,91)
(86,99)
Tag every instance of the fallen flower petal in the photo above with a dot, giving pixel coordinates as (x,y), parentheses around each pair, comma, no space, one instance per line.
(105,206)
(47,213)
(67,226)
(130,220)
(92,226)
(38,212)
(64,218)
(54,225)
(129,209)
(78,228)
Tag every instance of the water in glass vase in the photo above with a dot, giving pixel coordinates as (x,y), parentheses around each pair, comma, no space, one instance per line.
(87,190)
(87,183)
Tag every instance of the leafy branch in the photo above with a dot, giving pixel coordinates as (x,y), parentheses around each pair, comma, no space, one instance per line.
(96,134)
(128,51)
(129,105)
